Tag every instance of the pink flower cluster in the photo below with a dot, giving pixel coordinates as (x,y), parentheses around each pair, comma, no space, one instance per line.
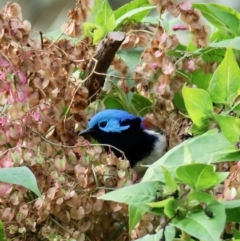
(12,82)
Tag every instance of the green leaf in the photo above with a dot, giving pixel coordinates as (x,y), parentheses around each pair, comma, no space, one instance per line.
(233,214)
(198,224)
(113,102)
(126,99)
(171,207)
(169,180)
(138,13)
(222,176)
(126,11)
(136,195)
(224,18)
(188,157)
(98,34)
(201,79)
(160,204)
(198,104)
(110,24)
(236,233)
(211,147)
(231,204)
(135,4)
(141,104)
(20,176)
(101,12)
(224,86)
(2,234)
(65,112)
(230,126)
(170,233)
(132,102)
(200,197)
(135,215)
(212,55)
(197,130)
(179,103)
(233,42)
(197,176)
(218,36)
(102,21)
(89,28)
(236,108)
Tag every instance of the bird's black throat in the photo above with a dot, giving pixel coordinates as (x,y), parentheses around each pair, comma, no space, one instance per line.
(134,142)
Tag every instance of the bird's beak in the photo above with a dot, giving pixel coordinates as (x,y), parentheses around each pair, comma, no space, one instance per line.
(86,132)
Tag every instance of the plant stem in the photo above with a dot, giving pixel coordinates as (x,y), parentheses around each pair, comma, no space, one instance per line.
(185,236)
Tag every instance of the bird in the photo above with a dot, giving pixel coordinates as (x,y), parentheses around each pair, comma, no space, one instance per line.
(128,133)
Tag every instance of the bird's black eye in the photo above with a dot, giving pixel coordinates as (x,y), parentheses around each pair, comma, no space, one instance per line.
(103,124)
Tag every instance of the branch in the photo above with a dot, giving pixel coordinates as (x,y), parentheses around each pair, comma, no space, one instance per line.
(104,55)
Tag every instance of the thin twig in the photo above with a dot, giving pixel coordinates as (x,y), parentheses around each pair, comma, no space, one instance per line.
(61,145)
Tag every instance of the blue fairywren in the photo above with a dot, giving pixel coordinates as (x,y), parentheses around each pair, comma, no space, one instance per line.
(129,134)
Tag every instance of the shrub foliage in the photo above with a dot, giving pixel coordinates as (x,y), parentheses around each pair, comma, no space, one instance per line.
(51,84)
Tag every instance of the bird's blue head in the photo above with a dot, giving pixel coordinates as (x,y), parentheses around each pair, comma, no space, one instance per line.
(112,120)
